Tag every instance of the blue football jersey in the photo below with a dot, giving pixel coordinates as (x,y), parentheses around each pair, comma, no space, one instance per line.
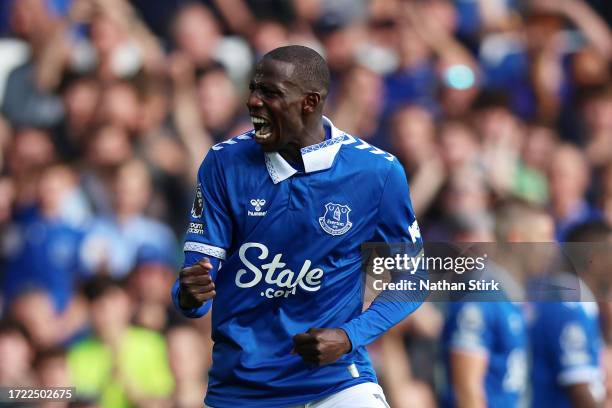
(289,243)
(566,345)
(44,254)
(496,329)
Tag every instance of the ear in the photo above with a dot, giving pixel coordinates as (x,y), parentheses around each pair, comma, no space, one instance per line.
(311,102)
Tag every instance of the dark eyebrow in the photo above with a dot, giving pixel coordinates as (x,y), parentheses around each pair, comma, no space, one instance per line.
(266,86)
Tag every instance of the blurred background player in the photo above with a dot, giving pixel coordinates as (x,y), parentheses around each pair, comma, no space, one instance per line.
(566,335)
(485,342)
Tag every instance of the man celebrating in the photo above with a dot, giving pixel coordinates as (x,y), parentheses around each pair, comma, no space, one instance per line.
(285,208)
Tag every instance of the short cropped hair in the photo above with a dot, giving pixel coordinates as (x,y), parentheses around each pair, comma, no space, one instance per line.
(590,231)
(98,286)
(513,214)
(311,70)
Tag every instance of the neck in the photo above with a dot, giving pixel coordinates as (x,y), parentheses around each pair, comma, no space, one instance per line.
(512,266)
(311,134)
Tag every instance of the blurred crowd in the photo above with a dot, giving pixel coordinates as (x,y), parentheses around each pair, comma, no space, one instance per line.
(107,108)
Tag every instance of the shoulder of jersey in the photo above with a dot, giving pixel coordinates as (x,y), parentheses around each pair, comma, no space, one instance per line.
(365,151)
(352,146)
(587,309)
(241,143)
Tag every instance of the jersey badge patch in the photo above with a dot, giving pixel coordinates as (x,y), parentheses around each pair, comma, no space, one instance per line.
(336,221)
(198,204)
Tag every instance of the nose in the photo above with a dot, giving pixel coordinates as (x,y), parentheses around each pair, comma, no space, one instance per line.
(254,101)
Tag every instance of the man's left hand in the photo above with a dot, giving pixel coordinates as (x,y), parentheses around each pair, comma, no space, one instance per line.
(321,346)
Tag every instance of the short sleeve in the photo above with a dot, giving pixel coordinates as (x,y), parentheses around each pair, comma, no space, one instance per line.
(575,362)
(469,329)
(210,225)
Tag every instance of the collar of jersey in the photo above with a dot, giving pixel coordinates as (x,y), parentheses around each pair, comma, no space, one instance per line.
(316,157)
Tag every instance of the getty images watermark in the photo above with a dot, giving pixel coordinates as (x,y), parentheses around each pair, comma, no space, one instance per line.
(403,263)
(489,271)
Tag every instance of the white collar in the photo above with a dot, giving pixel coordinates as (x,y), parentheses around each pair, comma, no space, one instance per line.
(316,157)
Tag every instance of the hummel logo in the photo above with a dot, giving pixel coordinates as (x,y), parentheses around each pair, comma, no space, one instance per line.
(257,204)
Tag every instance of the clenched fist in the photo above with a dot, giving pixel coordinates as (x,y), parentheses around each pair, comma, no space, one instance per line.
(196,284)
(321,346)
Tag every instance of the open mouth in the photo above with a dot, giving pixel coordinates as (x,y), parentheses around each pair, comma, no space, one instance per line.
(263,129)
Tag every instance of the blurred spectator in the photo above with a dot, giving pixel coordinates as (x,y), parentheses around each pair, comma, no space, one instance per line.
(186,113)
(29,153)
(189,355)
(108,147)
(534,67)
(52,371)
(539,145)
(502,137)
(16,356)
(121,365)
(43,247)
(51,368)
(605,201)
(598,122)
(7,197)
(120,106)
(81,98)
(569,178)
(414,141)
(117,56)
(197,35)
(219,104)
(268,36)
(148,285)
(113,242)
(459,146)
(27,100)
(359,102)
(407,378)
(465,200)
(341,35)
(33,307)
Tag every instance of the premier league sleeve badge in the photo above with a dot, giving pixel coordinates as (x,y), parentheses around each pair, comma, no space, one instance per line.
(198,204)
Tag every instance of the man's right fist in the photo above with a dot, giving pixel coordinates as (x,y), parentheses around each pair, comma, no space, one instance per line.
(196,285)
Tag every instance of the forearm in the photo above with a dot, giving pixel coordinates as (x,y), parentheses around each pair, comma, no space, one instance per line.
(581,396)
(591,24)
(52,60)
(388,309)
(238,15)
(471,396)
(468,372)
(493,13)
(191,129)
(445,46)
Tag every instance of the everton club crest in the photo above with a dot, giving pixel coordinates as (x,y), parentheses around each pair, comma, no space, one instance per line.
(336,221)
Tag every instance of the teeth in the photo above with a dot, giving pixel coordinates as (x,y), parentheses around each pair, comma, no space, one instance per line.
(262,136)
(257,120)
